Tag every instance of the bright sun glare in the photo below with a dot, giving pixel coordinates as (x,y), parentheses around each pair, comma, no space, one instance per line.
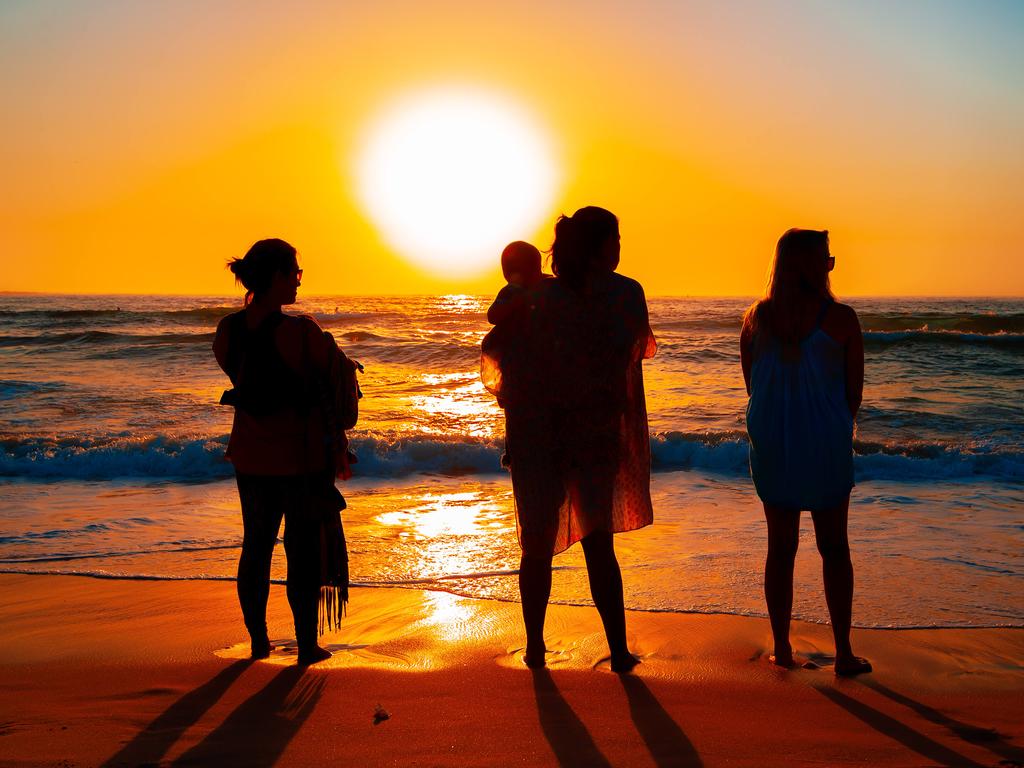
(451,175)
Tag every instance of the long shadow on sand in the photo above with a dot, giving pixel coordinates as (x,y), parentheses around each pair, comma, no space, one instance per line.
(986,738)
(153,741)
(664,738)
(258,731)
(565,732)
(894,729)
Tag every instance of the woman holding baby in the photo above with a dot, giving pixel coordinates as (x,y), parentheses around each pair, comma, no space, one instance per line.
(577,434)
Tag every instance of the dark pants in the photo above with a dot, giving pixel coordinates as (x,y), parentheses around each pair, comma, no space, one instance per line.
(265,500)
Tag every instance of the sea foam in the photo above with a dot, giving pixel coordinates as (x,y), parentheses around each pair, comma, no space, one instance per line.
(385,456)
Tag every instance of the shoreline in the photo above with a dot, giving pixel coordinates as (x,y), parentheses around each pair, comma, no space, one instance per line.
(704,555)
(424,585)
(117,673)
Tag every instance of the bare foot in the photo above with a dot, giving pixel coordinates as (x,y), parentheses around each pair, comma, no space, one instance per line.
(313,655)
(534,659)
(848,666)
(784,660)
(783,656)
(259,648)
(624,664)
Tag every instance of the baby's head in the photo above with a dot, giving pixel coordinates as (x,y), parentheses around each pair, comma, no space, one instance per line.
(520,263)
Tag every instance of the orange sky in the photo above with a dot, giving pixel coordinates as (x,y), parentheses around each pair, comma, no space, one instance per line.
(143,144)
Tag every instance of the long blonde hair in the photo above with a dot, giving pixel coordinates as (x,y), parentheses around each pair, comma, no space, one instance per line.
(798,278)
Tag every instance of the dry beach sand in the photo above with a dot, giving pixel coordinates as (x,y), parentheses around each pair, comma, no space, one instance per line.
(106,672)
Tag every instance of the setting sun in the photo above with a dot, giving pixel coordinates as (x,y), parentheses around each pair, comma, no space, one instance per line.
(450,175)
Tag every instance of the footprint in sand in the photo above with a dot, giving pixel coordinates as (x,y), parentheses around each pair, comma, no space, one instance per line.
(769,658)
(555,657)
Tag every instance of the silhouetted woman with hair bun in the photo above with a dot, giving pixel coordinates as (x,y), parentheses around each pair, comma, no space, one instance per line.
(277,439)
(803,362)
(576,428)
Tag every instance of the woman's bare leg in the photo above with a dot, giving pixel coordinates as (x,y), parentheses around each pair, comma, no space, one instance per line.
(261,520)
(606,589)
(783,540)
(535,591)
(302,548)
(837,573)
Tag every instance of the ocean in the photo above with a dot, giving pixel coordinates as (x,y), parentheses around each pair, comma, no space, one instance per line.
(112,462)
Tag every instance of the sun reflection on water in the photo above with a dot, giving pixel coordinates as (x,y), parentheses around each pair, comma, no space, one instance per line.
(459,404)
(451,514)
(451,617)
(460,303)
(450,534)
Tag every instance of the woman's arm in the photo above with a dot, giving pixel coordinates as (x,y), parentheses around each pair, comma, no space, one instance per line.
(220,344)
(650,343)
(854,360)
(745,355)
(633,313)
(318,343)
(323,359)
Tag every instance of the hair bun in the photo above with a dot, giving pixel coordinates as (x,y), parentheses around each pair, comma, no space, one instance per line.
(261,262)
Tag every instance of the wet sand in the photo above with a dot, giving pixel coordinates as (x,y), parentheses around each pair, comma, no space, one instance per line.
(107,672)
